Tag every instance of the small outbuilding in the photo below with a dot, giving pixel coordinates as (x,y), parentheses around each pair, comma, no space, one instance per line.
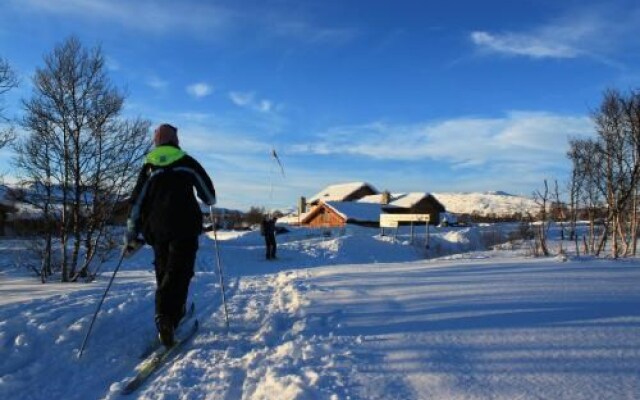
(408,203)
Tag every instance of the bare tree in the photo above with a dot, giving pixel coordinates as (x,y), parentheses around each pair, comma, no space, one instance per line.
(621,168)
(559,214)
(608,169)
(631,111)
(542,200)
(255,215)
(574,189)
(588,178)
(80,156)
(8,81)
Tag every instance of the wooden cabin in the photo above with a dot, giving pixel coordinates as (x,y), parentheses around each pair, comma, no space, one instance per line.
(334,214)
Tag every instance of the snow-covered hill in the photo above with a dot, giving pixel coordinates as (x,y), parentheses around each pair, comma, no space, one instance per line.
(348,316)
(498,203)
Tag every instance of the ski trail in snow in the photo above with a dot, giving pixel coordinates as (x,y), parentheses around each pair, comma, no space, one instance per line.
(331,320)
(263,353)
(216,363)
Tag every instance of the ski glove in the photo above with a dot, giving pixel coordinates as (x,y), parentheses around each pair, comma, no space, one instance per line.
(132,233)
(132,242)
(131,246)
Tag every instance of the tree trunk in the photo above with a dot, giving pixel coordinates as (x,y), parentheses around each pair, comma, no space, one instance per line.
(603,240)
(634,224)
(622,235)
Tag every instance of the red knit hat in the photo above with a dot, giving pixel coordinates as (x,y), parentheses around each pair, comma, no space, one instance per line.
(165,134)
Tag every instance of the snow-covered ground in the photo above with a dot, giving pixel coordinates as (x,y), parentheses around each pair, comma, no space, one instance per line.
(496,203)
(352,316)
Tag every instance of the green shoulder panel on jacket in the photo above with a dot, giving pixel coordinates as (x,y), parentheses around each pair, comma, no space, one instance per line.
(162,156)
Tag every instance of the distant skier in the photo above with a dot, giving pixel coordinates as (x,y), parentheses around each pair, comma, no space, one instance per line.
(165,211)
(268,230)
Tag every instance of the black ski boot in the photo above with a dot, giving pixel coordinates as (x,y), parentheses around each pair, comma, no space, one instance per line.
(165,330)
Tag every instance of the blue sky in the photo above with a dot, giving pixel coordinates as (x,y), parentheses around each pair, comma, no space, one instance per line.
(407,95)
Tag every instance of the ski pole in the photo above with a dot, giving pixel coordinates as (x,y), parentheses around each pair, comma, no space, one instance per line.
(104,295)
(219,264)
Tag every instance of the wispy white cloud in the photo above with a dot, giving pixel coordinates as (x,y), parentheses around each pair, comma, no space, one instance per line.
(249,100)
(591,31)
(199,89)
(524,45)
(532,137)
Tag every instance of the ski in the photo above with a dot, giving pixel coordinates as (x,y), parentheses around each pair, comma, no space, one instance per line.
(155,344)
(158,359)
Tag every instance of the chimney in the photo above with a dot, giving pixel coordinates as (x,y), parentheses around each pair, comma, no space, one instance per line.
(386,198)
(302,205)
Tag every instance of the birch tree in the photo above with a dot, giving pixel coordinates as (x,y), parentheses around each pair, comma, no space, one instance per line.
(80,155)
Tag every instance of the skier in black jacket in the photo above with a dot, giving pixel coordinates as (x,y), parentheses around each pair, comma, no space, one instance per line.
(268,230)
(165,211)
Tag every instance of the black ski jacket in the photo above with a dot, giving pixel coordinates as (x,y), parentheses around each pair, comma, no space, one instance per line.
(163,204)
(268,227)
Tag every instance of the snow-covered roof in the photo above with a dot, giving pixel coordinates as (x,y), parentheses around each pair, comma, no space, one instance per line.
(339,191)
(354,211)
(409,199)
(401,200)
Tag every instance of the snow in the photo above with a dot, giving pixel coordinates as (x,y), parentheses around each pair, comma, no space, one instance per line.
(338,192)
(498,203)
(353,315)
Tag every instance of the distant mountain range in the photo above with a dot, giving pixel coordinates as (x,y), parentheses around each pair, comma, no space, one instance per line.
(499,203)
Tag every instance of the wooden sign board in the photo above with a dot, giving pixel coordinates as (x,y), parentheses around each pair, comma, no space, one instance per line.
(392,220)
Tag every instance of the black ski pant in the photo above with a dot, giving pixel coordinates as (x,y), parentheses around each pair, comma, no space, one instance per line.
(174,263)
(270,242)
